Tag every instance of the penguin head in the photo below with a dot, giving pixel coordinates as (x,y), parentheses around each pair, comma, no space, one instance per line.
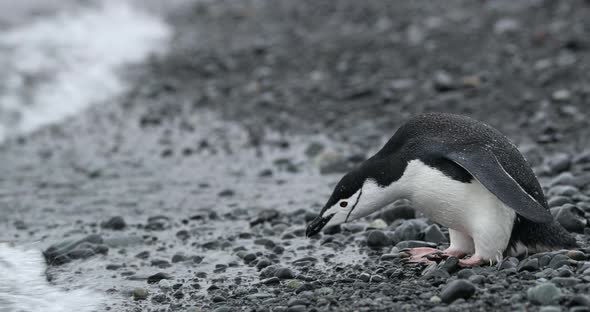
(358,194)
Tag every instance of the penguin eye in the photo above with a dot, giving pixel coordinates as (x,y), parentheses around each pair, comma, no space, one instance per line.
(343,204)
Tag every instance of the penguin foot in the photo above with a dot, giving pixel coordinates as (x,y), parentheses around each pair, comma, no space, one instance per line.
(473,261)
(425,255)
(453,253)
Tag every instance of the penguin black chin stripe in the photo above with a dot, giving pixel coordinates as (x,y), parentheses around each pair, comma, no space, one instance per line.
(463,174)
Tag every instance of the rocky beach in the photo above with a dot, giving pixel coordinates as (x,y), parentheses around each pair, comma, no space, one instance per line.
(191,189)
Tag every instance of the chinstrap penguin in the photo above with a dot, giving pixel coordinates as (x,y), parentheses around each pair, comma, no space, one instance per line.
(460,173)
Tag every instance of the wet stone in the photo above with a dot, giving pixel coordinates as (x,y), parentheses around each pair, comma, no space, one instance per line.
(465,273)
(450,265)
(579,300)
(397,212)
(457,289)
(433,234)
(156,278)
(284,273)
(263,263)
(570,217)
(557,201)
(160,263)
(365,277)
(183,235)
(410,230)
(529,265)
(576,255)
(271,280)
(158,223)
(378,239)
(265,215)
(64,252)
(160,298)
(140,293)
(414,244)
(114,223)
(559,162)
(179,257)
(543,294)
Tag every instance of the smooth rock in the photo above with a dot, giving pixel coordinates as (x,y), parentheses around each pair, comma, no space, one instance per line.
(414,244)
(543,294)
(433,234)
(410,230)
(115,223)
(571,218)
(378,239)
(457,289)
(140,293)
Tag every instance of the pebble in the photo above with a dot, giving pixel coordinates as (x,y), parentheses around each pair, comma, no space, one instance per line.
(377,224)
(450,265)
(579,300)
(297,308)
(331,163)
(563,190)
(561,95)
(399,211)
(559,162)
(284,273)
(433,234)
(140,293)
(443,82)
(465,273)
(457,289)
(529,265)
(179,257)
(165,284)
(271,280)
(114,223)
(414,244)
(158,223)
(156,278)
(570,217)
(365,277)
(558,261)
(506,25)
(410,230)
(576,255)
(378,239)
(557,201)
(543,294)
(550,309)
(294,284)
(265,215)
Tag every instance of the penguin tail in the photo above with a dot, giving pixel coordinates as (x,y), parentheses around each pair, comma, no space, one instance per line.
(529,238)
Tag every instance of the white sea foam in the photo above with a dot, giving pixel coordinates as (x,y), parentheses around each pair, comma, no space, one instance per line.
(24,287)
(57,65)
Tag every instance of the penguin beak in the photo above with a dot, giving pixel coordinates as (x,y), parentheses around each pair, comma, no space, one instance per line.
(317,225)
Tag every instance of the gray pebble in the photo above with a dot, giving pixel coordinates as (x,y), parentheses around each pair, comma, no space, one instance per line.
(529,265)
(378,239)
(457,289)
(414,244)
(559,162)
(433,234)
(140,293)
(398,211)
(410,230)
(156,278)
(284,273)
(543,294)
(570,217)
(271,280)
(550,309)
(114,223)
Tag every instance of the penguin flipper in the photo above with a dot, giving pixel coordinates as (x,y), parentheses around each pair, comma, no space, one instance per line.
(485,167)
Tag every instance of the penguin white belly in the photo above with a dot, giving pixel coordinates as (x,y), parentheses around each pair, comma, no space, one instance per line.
(468,208)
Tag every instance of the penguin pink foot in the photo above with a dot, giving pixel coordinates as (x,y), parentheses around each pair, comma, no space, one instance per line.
(424,255)
(473,261)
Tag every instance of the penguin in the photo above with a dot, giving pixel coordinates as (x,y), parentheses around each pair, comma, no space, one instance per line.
(462,174)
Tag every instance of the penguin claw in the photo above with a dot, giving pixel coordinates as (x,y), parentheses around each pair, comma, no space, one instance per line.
(422,255)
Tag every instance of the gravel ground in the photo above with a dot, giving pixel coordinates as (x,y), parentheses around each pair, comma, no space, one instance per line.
(192,191)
